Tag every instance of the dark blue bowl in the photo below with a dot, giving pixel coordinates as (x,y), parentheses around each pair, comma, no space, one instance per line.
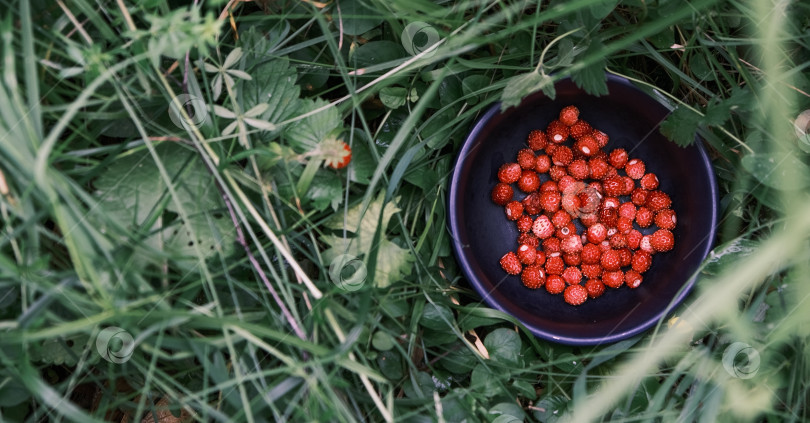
(482,234)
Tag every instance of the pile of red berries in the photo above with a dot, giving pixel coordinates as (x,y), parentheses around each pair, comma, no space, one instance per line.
(626,218)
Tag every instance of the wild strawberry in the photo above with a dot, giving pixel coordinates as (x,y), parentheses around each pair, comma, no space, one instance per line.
(578,169)
(509,173)
(337,154)
(646,244)
(560,218)
(649,181)
(514,209)
(665,219)
(526,254)
(644,217)
(591,271)
(624,225)
(502,193)
(540,257)
(550,147)
(569,115)
(575,294)
(598,168)
(595,288)
(589,199)
(641,261)
(529,181)
(555,284)
(570,202)
(629,184)
(589,219)
(597,233)
(586,145)
(531,204)
(613,186)
(635,168)
(611,203)
(639,196)
(658,200)
(557,172)
(591,254)
(662,240)
(571,244)
(574,259)
(611,260)
(617,240)
(627,210)
(525,158)
(618,158)
(633,239)
(549,186)
(632,278)
(557,132)
(626,255)
(600,137)
(551,246)
(550,201)
(537,140)
(613,279)
(580,128)
(528,239)
(542,227)
(564,231)
(572,275)
(609,217)
(524,224)
(554,265)
(542,163)
(510,263)
(533,277)
(563,156)
(568,182)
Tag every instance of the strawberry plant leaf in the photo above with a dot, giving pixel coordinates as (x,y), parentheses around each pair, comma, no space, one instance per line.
(503,345)
(305,134)
(681,126)
(524,84)
(273,83)
(782,171)
(64,350)
(357,17)
(325,191)
(393,97)
(436,317)
(592,78)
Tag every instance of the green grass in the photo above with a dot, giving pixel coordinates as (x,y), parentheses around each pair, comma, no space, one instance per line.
(211,245)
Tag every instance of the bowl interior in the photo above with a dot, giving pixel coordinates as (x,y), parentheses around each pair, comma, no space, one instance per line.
(482,234)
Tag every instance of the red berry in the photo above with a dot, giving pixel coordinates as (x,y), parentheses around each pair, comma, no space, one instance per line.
(633,279)
(646,244)
(662,240)
(644,217)
(591,271)
(624,225)
(618,158)
(550,201)
(657,200)
(578,169)
(568,182)
(531,204)
(569,115)
(557,172)
(591,254)
(649,181)
(533,277)
(633,239)
(575,294)
(609,217)
(528,239)
(510,263)
(613,279)
(524,224)
(555,284)
(600,137)
(613,186)
(597,233)
(562,156)
(571,244)
(557,132)
(611,260)
(572,259)
(529,181)
(537,140)
(626,255)
(627,210)
(560,218)
(549,186)
(542,163)
(639,196)
(598,168)
(628,185)
(540,258)
(617,240)
(564,231)
(525,158)
(572,275)
(526,254)
(554,265)
(580,128)
(340,158)
(502,193)
(641,261)
(586,145)
(595,288)
(611,203)
(509,173)
(589,219)
(551,246)
(635,168)
(542,227)
(665,219)
(514,210)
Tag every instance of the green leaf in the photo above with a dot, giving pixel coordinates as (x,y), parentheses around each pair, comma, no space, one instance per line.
(600,10)
(382,341)
(305,134)
(482,380)
(551,408)
(507,409)
(12,392)
(503,345)
(376,52)
(565,53)
(363,164)
(522,85)
(63,350)
(592,78)
(390,364)
(393,97)
(471,85)
(723,256)
(436,317)
(782,171)
(420,385)
(273,83)
(357,17)
(681,126)
(325,191)
(459,360)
